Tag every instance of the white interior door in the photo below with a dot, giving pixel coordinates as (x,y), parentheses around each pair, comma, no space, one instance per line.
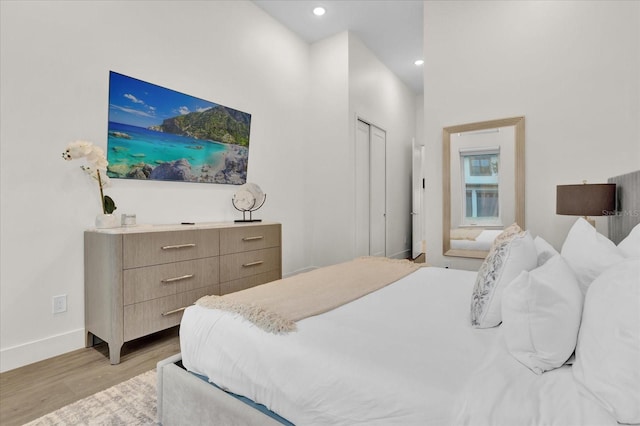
(371,192)
(362,188)
(417,201)
(378,192)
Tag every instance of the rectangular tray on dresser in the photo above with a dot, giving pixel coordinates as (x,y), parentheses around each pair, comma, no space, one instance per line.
(139,280)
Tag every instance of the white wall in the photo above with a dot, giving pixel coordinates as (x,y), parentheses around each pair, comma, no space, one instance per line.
(329,183)
(56,58)
(55,63)
(379,97)
(571,68)
(348,80)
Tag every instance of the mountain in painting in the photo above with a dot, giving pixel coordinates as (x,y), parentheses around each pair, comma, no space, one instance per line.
(219,124)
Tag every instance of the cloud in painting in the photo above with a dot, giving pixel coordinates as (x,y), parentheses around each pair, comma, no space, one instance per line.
(183,110)
(133,98)
(131,111)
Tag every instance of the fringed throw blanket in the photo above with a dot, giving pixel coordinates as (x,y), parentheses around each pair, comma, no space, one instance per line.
(276,306)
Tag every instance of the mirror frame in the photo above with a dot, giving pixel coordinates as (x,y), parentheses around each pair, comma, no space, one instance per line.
(518,123)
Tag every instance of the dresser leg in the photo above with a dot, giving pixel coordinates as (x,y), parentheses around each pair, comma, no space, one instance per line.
(89,340)
(114,353)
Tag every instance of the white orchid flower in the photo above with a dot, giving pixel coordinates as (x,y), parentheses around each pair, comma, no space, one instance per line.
(77,149)
(96,167)
(93,172)
(95,154)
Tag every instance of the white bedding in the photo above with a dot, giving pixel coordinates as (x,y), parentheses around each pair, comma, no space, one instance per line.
(503,392)
(482,241)
(403,355)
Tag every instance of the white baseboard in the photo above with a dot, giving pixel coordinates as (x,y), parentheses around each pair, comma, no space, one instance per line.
(405,254)
(38,350)
(299,271)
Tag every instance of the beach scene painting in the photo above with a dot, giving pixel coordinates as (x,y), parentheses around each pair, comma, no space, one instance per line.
(160,134)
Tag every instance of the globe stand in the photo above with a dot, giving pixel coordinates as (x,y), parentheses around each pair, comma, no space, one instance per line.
(250,210)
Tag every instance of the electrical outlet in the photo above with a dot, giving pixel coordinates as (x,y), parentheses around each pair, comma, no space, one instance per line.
(60,304)
(447,264)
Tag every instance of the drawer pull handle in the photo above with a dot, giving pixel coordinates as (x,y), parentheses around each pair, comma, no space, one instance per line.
(253,238)
(178,246)
(258,262)
(175,311)
(171,280)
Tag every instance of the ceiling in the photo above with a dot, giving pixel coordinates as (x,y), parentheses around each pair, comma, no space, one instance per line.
(391,29)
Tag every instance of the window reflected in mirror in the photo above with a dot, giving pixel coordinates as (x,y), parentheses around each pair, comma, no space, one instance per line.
(480,187)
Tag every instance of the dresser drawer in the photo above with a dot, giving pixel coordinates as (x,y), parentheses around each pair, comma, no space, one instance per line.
(248,282)
(245,238)
(152,282)
(154,248)
(240,265)
(154,315)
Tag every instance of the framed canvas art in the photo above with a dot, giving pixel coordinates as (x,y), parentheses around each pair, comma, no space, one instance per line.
(157,133)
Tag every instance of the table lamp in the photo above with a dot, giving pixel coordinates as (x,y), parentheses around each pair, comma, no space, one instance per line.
(594,199)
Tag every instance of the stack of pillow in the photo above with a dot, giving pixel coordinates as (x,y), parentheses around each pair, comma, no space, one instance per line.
(585,299)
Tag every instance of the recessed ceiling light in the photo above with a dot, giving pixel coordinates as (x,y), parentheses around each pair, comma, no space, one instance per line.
(319,11)
(419,62)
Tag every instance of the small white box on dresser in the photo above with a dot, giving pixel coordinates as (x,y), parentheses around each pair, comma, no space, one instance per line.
(139,280)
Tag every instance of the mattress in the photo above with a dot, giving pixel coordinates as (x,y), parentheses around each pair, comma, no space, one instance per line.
(400,355)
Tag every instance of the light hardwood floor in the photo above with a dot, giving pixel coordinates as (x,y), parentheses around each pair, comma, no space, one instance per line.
(29,392)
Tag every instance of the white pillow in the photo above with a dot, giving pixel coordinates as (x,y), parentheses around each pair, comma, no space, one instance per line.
(630,246)
(507,234)
(608,350)
(503,263)
(541,313)
(544,249)
(588,253)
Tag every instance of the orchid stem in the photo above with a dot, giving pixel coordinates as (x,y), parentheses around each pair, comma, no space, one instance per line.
(104,209)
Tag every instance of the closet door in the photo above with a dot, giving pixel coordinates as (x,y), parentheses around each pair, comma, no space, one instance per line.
(362,188)
(378,192)
(371,193)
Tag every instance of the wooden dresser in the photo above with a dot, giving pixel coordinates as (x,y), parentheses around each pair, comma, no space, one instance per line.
(139,280)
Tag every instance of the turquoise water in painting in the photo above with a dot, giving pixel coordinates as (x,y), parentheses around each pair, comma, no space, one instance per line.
(153,148)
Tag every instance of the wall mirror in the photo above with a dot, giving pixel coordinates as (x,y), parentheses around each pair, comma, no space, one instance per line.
(483,184)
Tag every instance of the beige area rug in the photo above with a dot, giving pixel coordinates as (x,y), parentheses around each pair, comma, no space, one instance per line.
(132,402)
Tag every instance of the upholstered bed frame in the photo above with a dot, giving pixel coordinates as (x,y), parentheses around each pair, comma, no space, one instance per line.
(628,206)
(184,398)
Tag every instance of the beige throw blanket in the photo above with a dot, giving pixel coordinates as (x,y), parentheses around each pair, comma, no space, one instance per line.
(276,306)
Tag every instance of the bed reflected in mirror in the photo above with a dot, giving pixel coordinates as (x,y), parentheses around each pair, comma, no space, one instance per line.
(483,184)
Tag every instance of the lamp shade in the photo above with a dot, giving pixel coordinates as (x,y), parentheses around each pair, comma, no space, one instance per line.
(597,199)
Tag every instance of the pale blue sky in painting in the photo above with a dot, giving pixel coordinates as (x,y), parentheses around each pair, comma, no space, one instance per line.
(138,103)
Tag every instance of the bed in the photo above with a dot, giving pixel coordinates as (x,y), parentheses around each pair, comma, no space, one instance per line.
(473,239)
(413,351)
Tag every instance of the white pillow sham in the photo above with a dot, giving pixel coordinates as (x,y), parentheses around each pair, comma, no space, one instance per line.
(588,253)
(509,233)
(630,246)
(503,263)
(608,350)
(541,313)
(544,249)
